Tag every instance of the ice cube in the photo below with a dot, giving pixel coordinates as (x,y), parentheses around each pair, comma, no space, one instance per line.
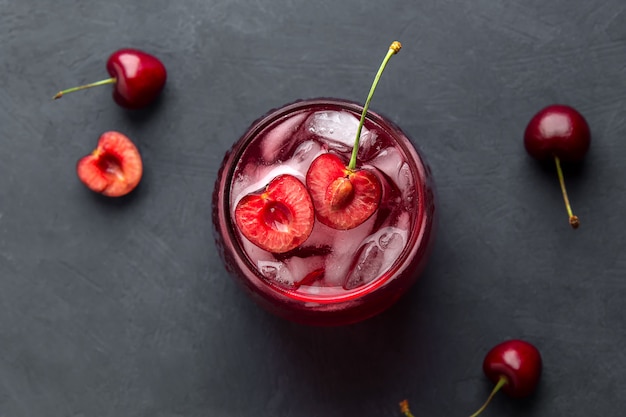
(344,245)
(280,139)
(406,183)
(304,155)
(375,256)
(391,162)
(338,130)
(391,241)
(370,261)
(276,272)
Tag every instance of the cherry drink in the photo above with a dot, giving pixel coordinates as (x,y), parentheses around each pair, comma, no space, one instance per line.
(277,240)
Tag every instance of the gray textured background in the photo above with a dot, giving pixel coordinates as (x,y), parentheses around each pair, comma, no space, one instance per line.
(122,308)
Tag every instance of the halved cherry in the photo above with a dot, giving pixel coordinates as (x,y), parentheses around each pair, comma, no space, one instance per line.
(280,218)
(343,198)
(114,168)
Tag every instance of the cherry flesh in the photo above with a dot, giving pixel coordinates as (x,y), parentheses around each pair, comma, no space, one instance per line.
(137,76)
(279,218)
(343,198)
(515,367)
(114,168)
(561,133)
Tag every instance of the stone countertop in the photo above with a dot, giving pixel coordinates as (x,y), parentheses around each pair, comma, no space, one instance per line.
(123,308)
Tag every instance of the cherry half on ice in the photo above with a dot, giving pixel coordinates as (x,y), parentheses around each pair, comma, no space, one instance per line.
(561,133)
(344,196)
(138,78)
(278,219)
(114,168)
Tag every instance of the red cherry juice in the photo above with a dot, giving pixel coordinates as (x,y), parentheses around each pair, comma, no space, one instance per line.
(336,276)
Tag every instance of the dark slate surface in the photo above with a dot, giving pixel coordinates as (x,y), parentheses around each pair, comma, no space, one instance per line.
(122,308)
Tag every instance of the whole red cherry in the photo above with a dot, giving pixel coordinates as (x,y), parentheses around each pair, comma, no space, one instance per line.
(137,76)
(557,131)
(515,367)
(561,133)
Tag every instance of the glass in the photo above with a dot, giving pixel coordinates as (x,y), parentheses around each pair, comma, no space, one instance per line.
(335,277)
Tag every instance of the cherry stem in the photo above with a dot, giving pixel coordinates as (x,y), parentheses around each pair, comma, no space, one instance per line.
(573,220)
(393,49)
(84,87)
(501,382)
(404,408)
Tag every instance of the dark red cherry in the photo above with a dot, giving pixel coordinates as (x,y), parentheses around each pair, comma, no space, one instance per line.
(560,133)
(518,362)
(140,77)
(515,367)
(137,76)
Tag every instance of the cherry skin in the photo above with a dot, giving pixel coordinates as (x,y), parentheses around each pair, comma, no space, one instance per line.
(137,76)
(560,133)
(515,367)
(557,131)
(517,361)
(140,77)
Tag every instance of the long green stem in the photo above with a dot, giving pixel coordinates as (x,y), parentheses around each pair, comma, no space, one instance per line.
(573,220)
(393,49)
(84,87)
(501,382)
